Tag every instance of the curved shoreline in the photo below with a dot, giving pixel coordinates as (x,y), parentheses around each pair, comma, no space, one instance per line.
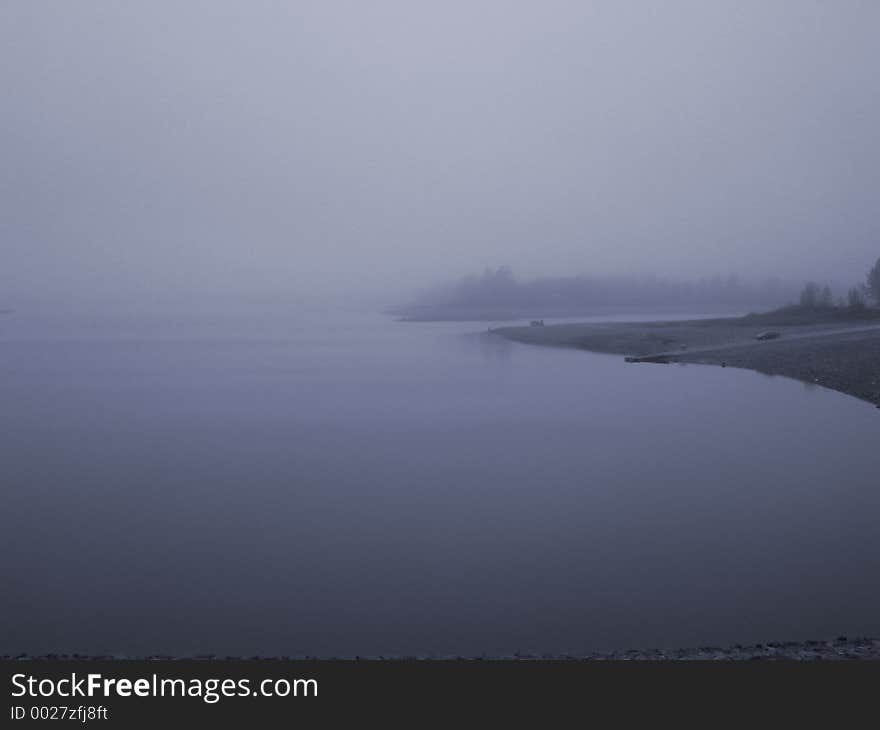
(842,356)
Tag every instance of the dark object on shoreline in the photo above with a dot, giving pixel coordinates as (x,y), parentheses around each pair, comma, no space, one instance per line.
(767,335)
(536,323)
(661,359)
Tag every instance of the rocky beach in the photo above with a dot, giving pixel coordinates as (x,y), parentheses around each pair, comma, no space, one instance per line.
(838,352)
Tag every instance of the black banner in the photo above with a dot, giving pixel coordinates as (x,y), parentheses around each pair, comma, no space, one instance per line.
(105,694)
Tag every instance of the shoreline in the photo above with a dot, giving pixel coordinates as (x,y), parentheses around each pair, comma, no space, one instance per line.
(839,649)
(840,354)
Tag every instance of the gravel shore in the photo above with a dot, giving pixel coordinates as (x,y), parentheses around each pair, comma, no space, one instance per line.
(839,649)
(841,355)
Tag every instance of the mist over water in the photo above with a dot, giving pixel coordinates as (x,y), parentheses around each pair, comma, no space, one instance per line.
(345,485)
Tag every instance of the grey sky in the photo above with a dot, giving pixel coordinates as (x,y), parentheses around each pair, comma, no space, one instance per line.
(154,148)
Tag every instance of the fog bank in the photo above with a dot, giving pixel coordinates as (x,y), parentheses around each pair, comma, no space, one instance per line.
(168,150)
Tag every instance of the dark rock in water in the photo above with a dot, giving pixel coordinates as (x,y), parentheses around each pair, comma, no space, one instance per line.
(767,335)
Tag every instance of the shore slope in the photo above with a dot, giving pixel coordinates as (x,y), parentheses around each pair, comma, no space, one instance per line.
(843,355)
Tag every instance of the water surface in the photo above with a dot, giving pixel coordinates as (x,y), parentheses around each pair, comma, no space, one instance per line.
(351,485)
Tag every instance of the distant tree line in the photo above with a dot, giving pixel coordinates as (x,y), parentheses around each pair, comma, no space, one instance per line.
(816,296)
(499,288)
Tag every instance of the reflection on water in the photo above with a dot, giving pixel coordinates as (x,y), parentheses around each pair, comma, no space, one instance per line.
(369,487)
(491,347)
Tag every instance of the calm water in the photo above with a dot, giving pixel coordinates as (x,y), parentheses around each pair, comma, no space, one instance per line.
(360,486)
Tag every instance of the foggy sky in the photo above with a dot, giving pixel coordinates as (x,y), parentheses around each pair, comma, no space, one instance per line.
(163,148)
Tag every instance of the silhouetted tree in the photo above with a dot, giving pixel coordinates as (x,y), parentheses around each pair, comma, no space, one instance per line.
(855,298)
(872,285)
(810,295)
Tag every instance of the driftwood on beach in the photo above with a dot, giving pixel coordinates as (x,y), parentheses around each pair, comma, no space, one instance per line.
(661,359)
